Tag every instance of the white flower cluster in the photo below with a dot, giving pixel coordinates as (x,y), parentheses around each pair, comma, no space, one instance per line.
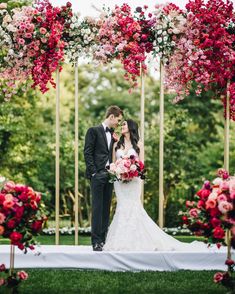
(67,231)
(5,37)
(81,37)
(178,231)
(169,26)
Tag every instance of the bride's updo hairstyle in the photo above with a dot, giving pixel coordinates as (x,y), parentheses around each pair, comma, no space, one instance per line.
(134,136)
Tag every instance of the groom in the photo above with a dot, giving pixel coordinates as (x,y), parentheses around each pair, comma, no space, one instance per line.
(98,155)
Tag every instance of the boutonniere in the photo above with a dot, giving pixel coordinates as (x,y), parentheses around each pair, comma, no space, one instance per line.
(115,137)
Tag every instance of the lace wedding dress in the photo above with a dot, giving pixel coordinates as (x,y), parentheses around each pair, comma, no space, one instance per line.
(132,229)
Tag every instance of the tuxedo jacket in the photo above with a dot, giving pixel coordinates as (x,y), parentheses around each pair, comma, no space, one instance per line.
(96,150)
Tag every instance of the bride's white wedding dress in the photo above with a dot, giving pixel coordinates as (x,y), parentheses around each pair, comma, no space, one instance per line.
(132,229)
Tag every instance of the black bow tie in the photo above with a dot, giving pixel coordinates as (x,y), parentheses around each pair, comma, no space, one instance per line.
(109,130)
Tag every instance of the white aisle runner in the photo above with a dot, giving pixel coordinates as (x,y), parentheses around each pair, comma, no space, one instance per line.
(83,257)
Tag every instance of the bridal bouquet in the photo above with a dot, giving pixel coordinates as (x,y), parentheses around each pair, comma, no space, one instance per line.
(21,214)
(126,169)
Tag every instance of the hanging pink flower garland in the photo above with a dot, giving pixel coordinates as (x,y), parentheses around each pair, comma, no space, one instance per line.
(205,53)
(47,48)
(126,37)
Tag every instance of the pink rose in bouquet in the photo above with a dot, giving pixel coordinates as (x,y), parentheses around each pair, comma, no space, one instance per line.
(126,169)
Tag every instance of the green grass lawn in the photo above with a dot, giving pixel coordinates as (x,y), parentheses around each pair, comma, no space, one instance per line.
(75,281)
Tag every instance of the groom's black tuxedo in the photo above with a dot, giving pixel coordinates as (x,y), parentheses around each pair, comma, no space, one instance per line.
(97,154)
(96,150)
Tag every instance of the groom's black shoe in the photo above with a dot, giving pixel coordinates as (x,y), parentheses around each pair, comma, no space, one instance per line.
(97,247)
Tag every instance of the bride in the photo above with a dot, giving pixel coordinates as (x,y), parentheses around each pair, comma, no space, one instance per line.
(132,229)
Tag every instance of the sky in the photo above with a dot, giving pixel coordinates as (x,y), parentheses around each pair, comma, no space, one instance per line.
(86,7)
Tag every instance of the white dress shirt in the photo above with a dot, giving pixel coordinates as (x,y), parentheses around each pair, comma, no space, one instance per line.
(109,138)
(108,134)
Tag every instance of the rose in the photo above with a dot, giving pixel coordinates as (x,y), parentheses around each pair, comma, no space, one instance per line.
(225,206)
(15,237)
(37,226)
(3,5)
(193,212)
(22,275)
(189,203)
(200,204)
(1,230)
(210,203)
(133,167)
(9,197)
(222,197)
(215,222)
(43,31)
(185,219)
(229,262)
(19,212)
(8,204)
(2,218)
(217,181)
(2,282)
(224,186)
(2,198)
(203,193)
(232,195)
(218,277)
(2,268)
(218,233)
(11,224)
(23,197)
(9,186)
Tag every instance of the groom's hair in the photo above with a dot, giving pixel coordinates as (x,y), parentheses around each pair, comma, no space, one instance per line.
(113,109)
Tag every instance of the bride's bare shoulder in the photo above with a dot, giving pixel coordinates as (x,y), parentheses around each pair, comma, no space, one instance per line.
(114,145)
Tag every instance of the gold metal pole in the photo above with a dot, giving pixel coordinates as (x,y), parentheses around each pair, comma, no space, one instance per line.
(142,118)
(12,258)
(226,158)
(76,154)
(226,130)
(57,161)
(161,147)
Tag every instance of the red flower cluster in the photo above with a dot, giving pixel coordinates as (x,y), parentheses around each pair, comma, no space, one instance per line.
(20,214)
(13,279)
(213,211)
(205,53)
(48,45)
(226,278)
(127,38)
